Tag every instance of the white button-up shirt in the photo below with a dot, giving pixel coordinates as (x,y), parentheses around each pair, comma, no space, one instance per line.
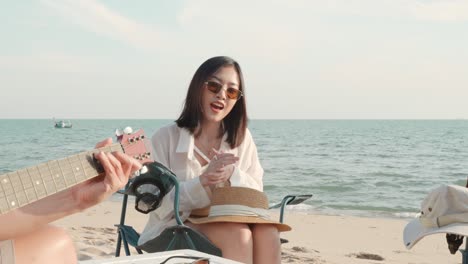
(174,147)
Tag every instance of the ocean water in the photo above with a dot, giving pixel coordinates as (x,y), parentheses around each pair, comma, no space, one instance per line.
(377,168)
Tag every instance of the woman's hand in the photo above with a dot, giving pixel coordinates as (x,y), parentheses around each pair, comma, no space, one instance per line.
(219,169)
(118,167)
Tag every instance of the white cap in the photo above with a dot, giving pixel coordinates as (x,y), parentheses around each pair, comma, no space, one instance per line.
(444,210)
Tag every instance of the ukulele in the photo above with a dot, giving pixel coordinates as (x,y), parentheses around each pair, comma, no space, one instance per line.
(30,184)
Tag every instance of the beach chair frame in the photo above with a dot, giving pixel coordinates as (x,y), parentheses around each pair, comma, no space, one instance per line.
(127,235)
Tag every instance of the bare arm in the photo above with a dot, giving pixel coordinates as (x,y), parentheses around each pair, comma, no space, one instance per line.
(117,167)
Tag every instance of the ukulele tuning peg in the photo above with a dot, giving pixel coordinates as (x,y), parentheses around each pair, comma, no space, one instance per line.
(118,132)
(128,130)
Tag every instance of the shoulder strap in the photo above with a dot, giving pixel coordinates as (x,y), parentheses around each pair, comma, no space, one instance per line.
(199,152)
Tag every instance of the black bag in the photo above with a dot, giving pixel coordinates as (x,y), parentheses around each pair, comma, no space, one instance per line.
(150,187)
(179,236)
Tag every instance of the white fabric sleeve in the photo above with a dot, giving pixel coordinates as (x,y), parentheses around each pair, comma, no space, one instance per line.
(248,172)
(191,195)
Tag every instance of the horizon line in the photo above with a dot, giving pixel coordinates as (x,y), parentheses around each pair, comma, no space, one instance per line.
(273,119)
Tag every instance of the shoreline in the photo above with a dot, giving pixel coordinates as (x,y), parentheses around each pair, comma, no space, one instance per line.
(308,209)
(315,238)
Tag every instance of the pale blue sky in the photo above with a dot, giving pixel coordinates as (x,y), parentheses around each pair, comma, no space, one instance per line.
(340,59)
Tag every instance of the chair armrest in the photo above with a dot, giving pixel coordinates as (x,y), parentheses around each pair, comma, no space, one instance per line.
(290,200)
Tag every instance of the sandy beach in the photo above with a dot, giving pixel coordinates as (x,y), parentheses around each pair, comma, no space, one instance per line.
(314,238)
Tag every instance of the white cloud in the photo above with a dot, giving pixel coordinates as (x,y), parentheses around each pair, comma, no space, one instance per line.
(50,62)
(98,18)
(250,28)
(326,57)
(448,11)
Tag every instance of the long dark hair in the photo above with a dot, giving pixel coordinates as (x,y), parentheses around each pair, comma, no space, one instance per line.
(235,123)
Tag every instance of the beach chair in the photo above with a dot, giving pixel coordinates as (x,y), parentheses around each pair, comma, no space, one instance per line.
(289,200)
(128,236)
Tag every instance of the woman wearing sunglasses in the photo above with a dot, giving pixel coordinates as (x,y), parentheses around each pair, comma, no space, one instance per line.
(208,146)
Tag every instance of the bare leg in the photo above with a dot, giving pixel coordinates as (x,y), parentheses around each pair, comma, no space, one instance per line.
(234,239)
(266,244)
(50,245)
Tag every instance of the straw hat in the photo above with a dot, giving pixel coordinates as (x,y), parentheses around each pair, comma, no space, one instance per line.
(238,205)
(444,210)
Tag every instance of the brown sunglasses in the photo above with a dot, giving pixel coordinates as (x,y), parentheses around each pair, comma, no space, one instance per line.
(231,93)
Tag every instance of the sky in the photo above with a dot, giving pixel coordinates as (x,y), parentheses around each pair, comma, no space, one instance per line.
(301,59)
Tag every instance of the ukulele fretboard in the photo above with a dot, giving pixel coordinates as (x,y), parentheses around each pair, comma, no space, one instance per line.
(27,185)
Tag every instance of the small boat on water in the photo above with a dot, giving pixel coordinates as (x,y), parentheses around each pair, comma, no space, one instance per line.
(63,124)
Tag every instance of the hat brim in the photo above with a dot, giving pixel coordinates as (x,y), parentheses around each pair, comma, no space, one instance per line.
(239,219)
(415,231)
